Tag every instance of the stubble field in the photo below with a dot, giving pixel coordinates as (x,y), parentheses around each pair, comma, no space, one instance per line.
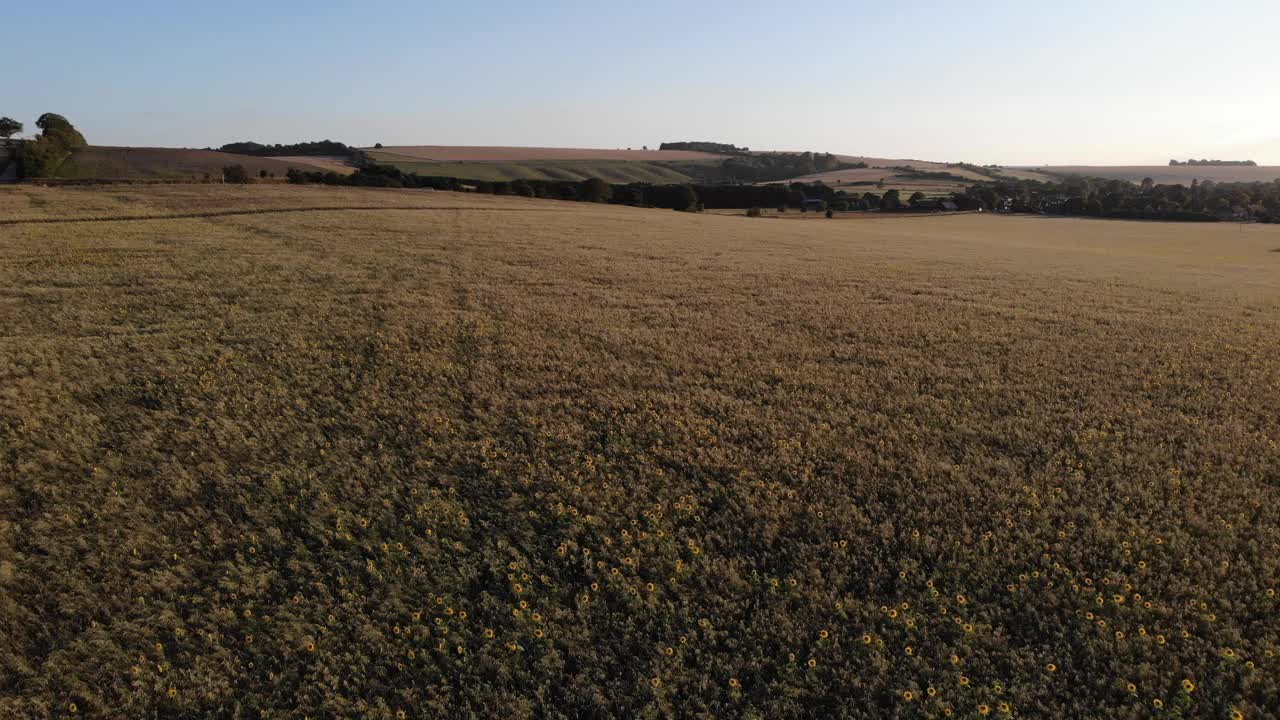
(434,455)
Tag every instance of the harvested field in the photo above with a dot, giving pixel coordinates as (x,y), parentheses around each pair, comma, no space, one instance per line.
(98,162)
(458,153)
(612,171)
(478,456)
(313,162)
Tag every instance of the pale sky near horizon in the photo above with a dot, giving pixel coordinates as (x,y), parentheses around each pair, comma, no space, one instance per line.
(1015,83)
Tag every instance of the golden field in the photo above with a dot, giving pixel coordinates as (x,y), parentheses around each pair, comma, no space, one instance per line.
(404,454)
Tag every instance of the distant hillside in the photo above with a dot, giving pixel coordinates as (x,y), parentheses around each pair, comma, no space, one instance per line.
(1168,175)
(100,162)
(464,153)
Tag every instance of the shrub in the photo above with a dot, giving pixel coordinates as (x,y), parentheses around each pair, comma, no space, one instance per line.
(235,174)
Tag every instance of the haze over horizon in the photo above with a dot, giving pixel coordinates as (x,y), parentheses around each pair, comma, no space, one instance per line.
(1091,83)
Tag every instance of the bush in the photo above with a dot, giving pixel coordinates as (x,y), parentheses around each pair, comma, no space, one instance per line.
(235,174)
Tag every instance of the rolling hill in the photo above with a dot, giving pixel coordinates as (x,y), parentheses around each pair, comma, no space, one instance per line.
(529,163)
(101,162)
(1166,174)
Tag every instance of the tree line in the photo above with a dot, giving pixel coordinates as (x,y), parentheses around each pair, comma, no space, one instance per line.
(707,147)
(1096,197)
(1225,163)
(783,196)
(325,148)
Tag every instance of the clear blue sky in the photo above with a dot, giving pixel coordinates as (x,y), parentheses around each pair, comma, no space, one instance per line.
(1079,82)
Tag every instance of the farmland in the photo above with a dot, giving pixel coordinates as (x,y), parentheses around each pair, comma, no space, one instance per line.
(136,163)
(1169,175)
(514,163)
(464,153)
(400,454)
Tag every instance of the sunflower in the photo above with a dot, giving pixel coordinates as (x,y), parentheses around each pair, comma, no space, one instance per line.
(71,708)
(1188,686)
(824,634)
(908,695)
(866,639)
(733,682)
(984,710)
(1051,667)
(488,633)
(931,691)
(964,681)
(1131,688)
(813,663)
(1157,703)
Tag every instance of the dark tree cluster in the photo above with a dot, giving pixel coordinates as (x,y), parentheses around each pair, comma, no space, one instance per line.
(1201,201)
(707,147)
(58,138)
(1224,163)
(771,167)
(9,127)
(325,148)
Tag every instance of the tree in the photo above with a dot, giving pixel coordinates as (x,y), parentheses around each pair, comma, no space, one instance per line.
(916,197)
(9,127)
(891,200)
(686,198)
(1148,184)
(595,190)
(60,129)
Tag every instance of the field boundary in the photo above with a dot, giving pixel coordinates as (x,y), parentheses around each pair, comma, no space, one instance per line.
(264,211)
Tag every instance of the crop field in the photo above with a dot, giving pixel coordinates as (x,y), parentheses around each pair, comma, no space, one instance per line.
(118,163)
(320,162)
(461,153)
(611,171)
(287,452)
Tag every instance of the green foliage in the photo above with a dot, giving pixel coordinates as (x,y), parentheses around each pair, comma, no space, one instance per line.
(42,156)
(595,190)
(322,148)
(61,130)
(9,127)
